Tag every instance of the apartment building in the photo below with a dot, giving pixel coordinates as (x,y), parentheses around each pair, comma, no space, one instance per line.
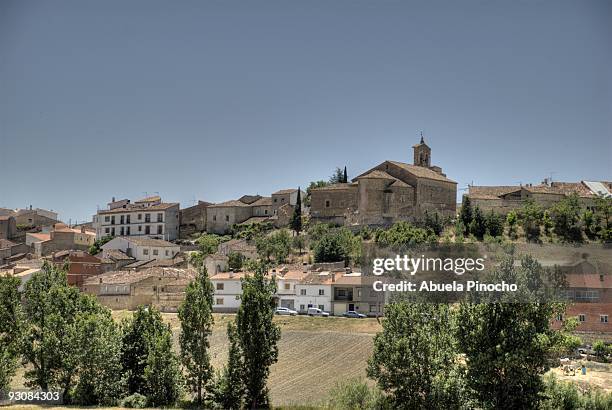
(148,217)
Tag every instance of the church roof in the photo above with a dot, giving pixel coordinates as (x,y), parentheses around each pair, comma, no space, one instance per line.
(421,172)
(376,174)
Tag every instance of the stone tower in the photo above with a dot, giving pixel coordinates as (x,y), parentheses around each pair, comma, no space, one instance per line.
(422,154)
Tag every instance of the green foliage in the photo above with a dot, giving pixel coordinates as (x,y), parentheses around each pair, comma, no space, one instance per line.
(258,336)
(565,215)
(511,221)
(414,358)
(478,226)
(235,260)
(97,245)
(196,258)
(404,234)
(134,401)
(494,223)
(603,216)
(466,214)
(229,390)
(277,245)
(251,230)
(162,374)
(602,350)
(11,324)
(338,244)
(195,315)
(299,242)
(139,334)
(433,222)
(355,394)
(547,223)
(317,231)
(568,396)
(208,243)
(507,345)
(459,229)
(337,177)
(591,227)
(296,218)
(531,215)
(311,186)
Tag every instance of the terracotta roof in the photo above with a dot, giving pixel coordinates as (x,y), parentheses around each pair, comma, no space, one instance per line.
(229,276)
(591,281)
(127,277)
(265,201)
(228,204)
(490,192)
(348,280)
(249,199)
(254,220)
(314,278)
(136,208)
(376,174)
(145,241)
(136,264)
(40,236)
(5,243)
(117,255)
(568,188)
(421,172)
(294,275)
(285,191)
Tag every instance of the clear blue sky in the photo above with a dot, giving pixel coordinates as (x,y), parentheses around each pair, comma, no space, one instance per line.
(214,99)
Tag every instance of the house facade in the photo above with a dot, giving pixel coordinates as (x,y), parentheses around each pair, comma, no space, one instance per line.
(148,217)
(141,249)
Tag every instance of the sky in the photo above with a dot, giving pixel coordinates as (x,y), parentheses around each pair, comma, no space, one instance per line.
(210,100)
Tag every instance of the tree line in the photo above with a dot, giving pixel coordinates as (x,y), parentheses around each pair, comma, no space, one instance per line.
(66,340)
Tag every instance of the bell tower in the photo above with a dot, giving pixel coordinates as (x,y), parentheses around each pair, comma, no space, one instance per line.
(422,154)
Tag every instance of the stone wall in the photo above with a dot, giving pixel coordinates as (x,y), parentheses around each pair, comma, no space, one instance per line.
(220,219)
(333,202)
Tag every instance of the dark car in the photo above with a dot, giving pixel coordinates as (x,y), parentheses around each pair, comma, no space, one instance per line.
(353,314)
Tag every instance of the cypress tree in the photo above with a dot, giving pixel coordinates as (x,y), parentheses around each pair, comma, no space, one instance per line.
(296,219)
(345,176)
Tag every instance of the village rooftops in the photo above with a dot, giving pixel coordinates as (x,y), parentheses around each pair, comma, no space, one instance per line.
(582,189)
(285,191)
(127,277)
(421,172)
(138,206)
(144,241)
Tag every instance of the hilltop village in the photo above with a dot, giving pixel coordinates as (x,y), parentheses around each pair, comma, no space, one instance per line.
(146,251)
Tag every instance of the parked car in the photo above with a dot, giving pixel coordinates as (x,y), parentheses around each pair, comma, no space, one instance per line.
(586,349)
(317,312)
(284,311)
(353,314)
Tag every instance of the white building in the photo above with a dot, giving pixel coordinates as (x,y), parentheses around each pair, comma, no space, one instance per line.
(228,291)
(142,249)
(148,217)
(286,283)
(314,290)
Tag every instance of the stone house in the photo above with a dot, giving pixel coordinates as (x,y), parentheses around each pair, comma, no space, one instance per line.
(193,218)
(148,217)
(221,217)
(59,238)
(11,252)
(36,218)
(391,191)
(286,197)
(81,266)
(503,199)
(8,227)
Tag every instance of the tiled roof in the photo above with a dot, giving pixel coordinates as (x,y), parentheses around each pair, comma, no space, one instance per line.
(591,281)
(229,204)
(314,278)
(145,241)
(337,186)
(229,276)
(136,208)
(490,192)
(285,191)
(376,174)
(254,220)
(265,201)
(40,236)
(5,243)
(117,255)
(127,277)
(421,172)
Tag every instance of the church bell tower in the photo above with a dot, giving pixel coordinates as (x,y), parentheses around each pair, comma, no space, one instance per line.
(422,154)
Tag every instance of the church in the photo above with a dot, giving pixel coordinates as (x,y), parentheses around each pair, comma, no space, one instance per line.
(390,192)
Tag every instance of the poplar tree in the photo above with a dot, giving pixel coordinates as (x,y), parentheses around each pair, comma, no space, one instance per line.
(230,389)
(258,336)
(466,213)
(10,327)
(195,314)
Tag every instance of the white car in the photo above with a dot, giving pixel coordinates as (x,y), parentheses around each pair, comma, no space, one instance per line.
(284,311)
(317,312)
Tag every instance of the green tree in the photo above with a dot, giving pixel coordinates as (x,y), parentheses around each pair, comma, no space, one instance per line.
(97,245)
(208,244)
(296,219)
(511,221)
(100,379)
(603,212)
(337,177)
(566,219)
(11,324)
(466,214)
(235,260)
(258,336)
(196,258)
(195,315)
(478,226)
(139,333)
(345,176)
(531,215)
(299,243)
(547,223)
(494,224)
(277,245)
(230,389)
(432,221)
(162,373)
(337,245)
(414,358)
(589,223)
(405,234)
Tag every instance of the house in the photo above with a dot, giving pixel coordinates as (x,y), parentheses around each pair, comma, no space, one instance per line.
(11,252)
(221,217)
(228,290)
(286,285)
(286,197)
(61,237)
(36,218)
(163,288)
(148,217)
(503,199)
(314,290)
(242,246)
(193,219)
(8,227)
(81,265)
(216,263)
(391,191)
(141,248)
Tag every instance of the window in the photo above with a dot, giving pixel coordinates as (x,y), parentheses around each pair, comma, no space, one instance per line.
(226,218)
(122,231)
(122,219)
(302,307)
(113,231)
(147,229)
(139,228)
(214,217)
(603,318)
(139,216)
(373,308)
(327,203)
(160,229)
(160,217)
(321,292)
(127,231)
(303,292)
(219,301)
(167,253)
(147,217)
(107,230)
(322,307)
(220,286)
(107,219)
(275,200)
(145,251)
(113,220)
(155,252)
(582,317)
(265,211)
(127,219)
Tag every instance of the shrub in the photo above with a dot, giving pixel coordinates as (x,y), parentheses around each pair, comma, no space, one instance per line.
(337,245)
(355,394)
(564,395)
(403,234)
(135,401)
(235,260)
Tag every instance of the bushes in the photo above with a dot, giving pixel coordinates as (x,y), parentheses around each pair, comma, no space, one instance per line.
(405,234)
(355,394)
(135,401)
(567,396)
(337,245)
(277,245)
